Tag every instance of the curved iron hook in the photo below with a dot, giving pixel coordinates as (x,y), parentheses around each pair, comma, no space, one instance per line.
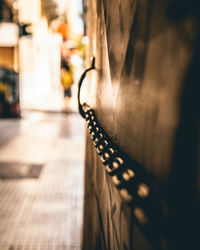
(80,84)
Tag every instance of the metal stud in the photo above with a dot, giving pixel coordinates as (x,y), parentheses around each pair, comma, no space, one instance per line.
(104,145)
(143,190)
(96,141)
(115,165)
(99,149)
(85,109)
(112,167)
(92,135)
(125,194)
(111,150)
(128,174)
(109,170)
(140,215)
(131,172)
(116,181)
(90,128)
(106,155)
(120,160)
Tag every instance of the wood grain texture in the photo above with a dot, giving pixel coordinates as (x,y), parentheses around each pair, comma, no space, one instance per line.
(146,97)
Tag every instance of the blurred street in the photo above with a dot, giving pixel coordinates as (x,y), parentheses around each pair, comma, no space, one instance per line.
(41,181)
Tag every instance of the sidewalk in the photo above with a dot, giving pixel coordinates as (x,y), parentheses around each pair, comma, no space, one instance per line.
(41,181)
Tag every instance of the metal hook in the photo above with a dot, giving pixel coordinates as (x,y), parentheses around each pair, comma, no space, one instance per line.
(82,113)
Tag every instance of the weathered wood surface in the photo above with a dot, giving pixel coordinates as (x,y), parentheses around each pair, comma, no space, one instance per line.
(145,92)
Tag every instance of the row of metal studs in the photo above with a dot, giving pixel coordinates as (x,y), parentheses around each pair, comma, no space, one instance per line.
(112,159)
(116,165)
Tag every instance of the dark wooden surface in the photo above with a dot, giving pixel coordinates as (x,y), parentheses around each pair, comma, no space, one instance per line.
(145,92)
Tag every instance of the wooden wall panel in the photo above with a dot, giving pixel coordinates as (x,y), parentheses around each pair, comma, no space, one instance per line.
(145,92)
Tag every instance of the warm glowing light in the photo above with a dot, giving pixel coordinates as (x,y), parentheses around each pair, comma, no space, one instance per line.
(15,5)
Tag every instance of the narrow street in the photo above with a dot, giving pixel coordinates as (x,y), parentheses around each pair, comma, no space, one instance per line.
(41,181)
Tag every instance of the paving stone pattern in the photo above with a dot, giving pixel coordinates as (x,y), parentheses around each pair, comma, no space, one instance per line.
(46,212)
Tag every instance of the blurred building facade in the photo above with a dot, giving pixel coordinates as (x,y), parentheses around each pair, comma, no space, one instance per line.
(8,35)
(35,49)
(9,66)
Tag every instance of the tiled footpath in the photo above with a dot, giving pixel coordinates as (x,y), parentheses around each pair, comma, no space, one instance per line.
(43,213)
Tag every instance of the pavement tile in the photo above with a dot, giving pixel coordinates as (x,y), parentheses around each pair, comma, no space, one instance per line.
(43,213)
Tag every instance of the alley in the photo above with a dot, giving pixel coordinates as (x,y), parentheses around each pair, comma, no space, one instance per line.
(41,181)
